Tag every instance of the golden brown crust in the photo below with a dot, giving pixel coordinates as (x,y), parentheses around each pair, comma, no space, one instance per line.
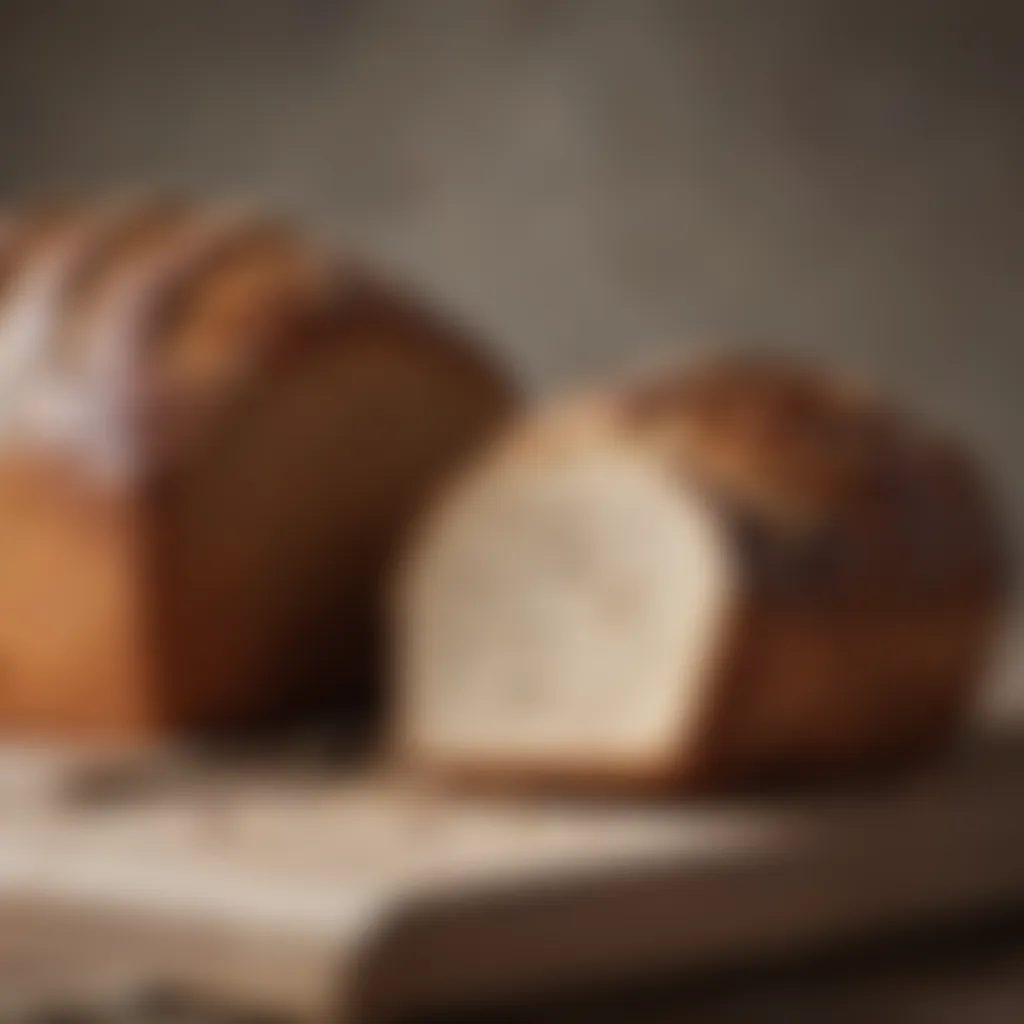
(110,356)
(165,310)
(22,232)
(873,571)
(191,352)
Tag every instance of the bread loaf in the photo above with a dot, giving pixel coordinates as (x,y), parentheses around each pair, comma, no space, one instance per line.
(744,569)
(211,437)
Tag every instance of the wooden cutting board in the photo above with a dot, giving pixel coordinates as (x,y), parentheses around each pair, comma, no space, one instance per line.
(332,896)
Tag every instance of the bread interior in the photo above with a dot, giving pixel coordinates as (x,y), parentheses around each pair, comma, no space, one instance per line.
(565,613)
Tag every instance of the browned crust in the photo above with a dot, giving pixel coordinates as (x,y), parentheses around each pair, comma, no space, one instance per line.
(662,776)
(120,359)
(60,249)
(124,356)
(876,601)
(24,234)
(105,358)
(129,305)
(126,231)
(874,570)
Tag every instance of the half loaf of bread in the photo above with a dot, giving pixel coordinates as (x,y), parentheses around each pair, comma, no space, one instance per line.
(743,569)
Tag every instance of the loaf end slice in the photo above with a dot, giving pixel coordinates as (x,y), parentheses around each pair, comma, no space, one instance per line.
(566,616)
(746,570)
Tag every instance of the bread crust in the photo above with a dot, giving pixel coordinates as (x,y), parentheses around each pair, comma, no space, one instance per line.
(872,571)
(178,333)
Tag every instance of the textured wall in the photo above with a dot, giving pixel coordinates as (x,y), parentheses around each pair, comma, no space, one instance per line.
(591,179)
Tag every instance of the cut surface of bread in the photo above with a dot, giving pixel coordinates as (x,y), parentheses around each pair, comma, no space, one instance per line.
(572,613)
(208,469)
(743,570)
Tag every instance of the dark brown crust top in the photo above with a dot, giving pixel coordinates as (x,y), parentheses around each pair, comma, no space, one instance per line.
(24,233)
(118,361)
(165,309)
(823,480)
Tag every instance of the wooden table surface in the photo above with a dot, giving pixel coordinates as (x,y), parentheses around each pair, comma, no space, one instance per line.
(303,888)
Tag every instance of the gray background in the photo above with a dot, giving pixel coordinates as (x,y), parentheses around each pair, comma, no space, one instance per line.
(591,181)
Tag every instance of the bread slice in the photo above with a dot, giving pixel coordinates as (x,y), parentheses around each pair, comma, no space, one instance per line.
(744,569)
(206,469)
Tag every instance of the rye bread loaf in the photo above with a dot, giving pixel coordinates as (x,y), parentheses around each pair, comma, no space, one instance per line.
(743,569)
(211,437)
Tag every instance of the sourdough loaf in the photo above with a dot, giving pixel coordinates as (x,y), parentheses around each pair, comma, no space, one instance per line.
(211,436)
(742,569)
